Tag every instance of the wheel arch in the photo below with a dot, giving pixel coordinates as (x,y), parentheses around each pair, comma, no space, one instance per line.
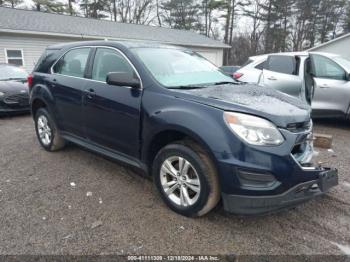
(168,136)
(36,104)
(41,97)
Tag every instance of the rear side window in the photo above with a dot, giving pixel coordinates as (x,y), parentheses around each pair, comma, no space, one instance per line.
(282,64)
(41,64)
(260,66)
(107,61)
(73,63)
(247,62)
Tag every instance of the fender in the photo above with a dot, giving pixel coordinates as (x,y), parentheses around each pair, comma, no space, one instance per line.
(186,117)
(42,92)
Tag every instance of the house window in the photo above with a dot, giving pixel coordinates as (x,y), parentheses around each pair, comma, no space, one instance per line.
(14,57)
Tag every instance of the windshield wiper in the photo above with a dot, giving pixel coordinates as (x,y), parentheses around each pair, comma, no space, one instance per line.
(225,83)
(188,87)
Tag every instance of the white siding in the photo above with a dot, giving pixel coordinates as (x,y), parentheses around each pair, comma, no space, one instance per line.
(33,46)
(214,55)
(340,47)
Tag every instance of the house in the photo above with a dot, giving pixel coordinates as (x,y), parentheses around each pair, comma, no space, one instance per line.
(339,45)
(24,34)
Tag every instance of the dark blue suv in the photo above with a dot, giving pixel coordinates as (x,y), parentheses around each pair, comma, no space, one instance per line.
(201,136)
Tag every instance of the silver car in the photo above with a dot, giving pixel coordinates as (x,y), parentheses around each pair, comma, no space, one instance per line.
(321,79)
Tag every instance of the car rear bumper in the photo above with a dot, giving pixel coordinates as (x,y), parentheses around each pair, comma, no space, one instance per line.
(253,205)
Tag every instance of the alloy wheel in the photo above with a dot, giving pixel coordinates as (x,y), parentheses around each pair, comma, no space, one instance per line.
(44,130)
(180,181)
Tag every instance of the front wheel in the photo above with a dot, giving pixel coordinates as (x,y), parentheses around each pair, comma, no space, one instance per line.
(186,179)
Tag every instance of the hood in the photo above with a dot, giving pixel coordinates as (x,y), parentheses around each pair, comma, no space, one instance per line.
(265,102)
(13,87)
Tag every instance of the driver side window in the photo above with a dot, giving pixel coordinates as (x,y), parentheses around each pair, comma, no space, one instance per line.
(326,68)
(107,61)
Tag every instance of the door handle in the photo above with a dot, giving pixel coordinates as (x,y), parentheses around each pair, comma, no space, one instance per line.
(272,78)
(90,93)
(324,86)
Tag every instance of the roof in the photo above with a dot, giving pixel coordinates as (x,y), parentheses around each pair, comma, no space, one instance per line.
(330,42)
(302,53)
(115,43)
(34,22)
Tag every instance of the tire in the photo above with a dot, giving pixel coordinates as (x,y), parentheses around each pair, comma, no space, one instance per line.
(199,173)
(53,141)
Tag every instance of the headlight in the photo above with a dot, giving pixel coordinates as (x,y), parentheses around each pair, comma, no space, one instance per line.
(2,94)
(254,130)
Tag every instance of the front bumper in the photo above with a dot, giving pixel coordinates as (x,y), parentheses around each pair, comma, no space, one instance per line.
(18,104)
(252,205)
(6,111)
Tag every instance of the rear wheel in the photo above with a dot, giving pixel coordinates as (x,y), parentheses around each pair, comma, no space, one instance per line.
(47,132)
(186,178)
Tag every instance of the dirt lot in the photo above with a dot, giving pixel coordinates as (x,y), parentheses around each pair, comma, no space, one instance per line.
(112,210)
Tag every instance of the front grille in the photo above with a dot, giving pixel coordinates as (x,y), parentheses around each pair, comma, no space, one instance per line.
(21,99)
(300,127)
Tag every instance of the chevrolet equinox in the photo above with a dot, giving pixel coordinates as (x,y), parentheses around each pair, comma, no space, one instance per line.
(166,110)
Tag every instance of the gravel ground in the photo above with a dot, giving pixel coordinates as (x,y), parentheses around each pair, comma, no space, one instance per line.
(76,202)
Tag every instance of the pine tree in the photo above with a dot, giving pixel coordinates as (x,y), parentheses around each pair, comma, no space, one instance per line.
(181,14)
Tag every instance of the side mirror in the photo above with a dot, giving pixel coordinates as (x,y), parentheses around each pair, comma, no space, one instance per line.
(122,79)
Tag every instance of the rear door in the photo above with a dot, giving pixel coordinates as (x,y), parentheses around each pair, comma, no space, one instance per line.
(281,72)
(332,88)
(112,113)
(67,85)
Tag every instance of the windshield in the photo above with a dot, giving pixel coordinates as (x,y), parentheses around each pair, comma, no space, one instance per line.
(343,62)
(8,72)
(175,68)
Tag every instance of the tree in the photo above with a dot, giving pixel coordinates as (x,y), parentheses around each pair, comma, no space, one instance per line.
(134,11)
(52,6)
(70,7)
(114,3)
(95,8)
(208,9)
(11,3)
(346,19)
(231,8)
(181,14)
(330,13)
(253,12)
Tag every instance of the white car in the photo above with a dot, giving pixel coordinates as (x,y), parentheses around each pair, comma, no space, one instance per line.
(322,78)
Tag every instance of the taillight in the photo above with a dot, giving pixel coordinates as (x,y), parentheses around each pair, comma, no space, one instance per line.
(237,75)
(30,81)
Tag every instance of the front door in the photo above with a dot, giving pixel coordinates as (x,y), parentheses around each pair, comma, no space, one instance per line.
(332,88)
(112,113)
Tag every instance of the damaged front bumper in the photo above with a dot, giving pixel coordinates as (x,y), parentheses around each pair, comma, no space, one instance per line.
(250,205)
(271,189)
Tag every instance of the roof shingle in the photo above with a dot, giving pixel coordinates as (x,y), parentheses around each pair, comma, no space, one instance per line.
(47,23)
